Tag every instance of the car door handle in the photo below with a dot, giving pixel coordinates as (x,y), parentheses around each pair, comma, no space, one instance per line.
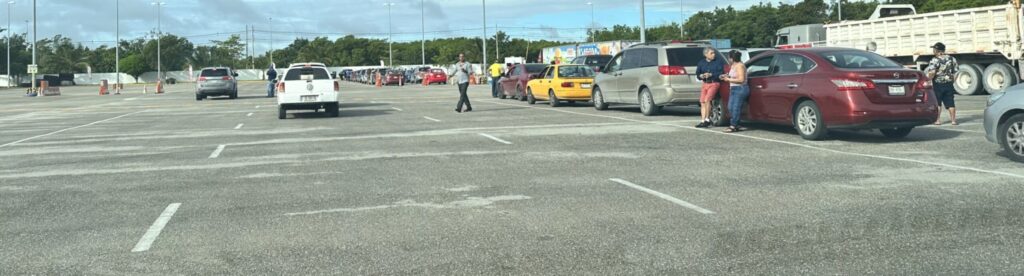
(759,86)
(793,85)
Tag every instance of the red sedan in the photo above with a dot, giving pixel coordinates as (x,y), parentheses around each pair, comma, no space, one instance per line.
(435,76)
(818,89)
(513,83)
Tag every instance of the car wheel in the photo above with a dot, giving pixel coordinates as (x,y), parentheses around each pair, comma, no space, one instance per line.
(647,106)
(281,112)
(332,109)
(896,133)
(501,94)
(199,97)
(552,99)
(234,95)
(521,96)
(1011,137)
(717,115)
(598,98)
(808,121)
(529,96)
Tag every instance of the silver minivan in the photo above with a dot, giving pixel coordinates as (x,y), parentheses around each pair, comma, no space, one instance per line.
(654,75)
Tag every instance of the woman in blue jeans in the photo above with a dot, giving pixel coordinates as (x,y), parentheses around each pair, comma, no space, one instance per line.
(738,90)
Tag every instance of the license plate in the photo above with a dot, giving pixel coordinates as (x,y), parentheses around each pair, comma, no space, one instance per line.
(308,98)
(897,90)
(585,85)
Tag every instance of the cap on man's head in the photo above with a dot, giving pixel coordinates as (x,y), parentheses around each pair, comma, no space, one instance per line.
(939,46)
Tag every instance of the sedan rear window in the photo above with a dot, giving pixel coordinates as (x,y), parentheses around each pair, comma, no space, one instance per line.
(297,73)
(858,60)
(214,73)
(575,72)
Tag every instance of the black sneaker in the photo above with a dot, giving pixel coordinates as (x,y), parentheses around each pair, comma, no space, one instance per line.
(703,124)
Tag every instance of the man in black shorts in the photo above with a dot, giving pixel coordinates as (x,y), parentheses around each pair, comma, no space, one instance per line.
(942,70)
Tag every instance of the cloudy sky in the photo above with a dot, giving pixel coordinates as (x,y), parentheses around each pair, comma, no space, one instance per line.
(92,22)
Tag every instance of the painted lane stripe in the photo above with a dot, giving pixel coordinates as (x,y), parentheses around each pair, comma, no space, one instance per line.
(495,138)
(217,151)
(248,115)
(677,201)
(154,230)
(432,119)
(239,126)
(66,129)
(397,109)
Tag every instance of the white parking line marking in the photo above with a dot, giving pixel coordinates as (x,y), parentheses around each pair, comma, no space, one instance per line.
(154,230)
(677,201)
(781,142)
(217,151)
(248,115)
(495,138)
(66,129)
(239,126)
(432,119)
(395,108)
(257,106)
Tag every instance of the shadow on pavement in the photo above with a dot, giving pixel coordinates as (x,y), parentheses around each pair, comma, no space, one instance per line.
(869,136)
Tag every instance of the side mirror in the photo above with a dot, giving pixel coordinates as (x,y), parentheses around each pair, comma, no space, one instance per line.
(234,75)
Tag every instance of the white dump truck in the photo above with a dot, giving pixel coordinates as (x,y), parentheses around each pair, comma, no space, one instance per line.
(986,41)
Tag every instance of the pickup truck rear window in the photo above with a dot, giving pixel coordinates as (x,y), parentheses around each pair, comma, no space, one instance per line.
(296,74)
(214,73)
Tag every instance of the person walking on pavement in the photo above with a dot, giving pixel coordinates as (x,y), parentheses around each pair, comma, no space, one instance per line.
(942,69)
(495,77)
(272,80)
(709,70)
(461,75)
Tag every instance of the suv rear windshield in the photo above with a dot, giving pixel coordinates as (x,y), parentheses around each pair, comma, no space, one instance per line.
(296,73)
(687,56)
(575,71)
(858,60)
(214,73)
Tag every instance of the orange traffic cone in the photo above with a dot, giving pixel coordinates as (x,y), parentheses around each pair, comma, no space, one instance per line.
(378,81)
(160,87)
(103,87)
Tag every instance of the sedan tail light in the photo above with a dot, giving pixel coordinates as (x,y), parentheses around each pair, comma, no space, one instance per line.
(671,70)
(226,78)
(567,84)
(280,87)
(337,86)
(924,84)
(853,84)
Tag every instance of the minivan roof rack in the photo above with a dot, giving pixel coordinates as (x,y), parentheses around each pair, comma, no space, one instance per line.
(666,43)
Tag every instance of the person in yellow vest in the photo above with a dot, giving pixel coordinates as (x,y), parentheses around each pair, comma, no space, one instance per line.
(495,71)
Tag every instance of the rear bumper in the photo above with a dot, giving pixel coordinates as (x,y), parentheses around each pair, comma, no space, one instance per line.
(885,123)
(679,95)
(573,94)
(219,91)
(295,99)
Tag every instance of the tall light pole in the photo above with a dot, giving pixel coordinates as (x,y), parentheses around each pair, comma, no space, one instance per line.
(643,25)
(423,33)
(270,21)
(391,56)
(484,53)
(34,44)
(159,36)
(839,3)
(117,46)
(681,20)
(592,27)
(9,42)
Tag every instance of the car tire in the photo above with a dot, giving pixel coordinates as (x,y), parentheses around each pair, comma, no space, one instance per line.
(281,112)
(647,106)
(199,97)
(998,76)
(969,80)
(1011,137)
(520,94)
(717,115)
(332,110)
(598,98)
(552,99)
(808,122)
(530,99)
(896,133)
(234,95)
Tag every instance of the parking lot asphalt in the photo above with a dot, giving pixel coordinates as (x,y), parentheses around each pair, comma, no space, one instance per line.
(400,184)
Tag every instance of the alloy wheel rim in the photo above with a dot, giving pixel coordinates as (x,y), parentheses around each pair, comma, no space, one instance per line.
(645,103)
(716,111)
(807,120)
(598,99)
(1015,138)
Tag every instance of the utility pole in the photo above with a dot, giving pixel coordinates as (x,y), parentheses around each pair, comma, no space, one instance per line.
(423,33)
(117,47)
(484,53)
(9,42)
(497,44)
(271,22)
(840,4)
(247,40)
(34,46)
(643,26)
(593,28)
(391,55)
(681,20)
(159,36)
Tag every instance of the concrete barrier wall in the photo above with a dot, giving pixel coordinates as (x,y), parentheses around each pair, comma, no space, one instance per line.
(243,74)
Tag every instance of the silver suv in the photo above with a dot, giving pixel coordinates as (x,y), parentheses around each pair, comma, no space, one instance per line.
(216,81)
(653,75)
(1004,121)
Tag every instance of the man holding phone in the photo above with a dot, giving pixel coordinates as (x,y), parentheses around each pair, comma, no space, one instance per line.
(461,75)
(708,71)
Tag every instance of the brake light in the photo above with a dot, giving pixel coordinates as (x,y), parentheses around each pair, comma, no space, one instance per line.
(336,86)
(202,78)
(226,78)
(280,87)
(671,70)
(853,84)
(924,84)
(567,84)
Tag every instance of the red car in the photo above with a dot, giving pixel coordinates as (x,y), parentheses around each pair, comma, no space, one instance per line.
(435,76)
(818,89)
(393,78)
(513,83)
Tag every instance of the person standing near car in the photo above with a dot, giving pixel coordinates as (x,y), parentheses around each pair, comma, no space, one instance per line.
(738,90)
(495,76)
(709,70)
(461,75)
(942,70)
(271,79)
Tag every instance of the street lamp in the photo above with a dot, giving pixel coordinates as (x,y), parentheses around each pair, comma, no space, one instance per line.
(9,42)
(117,46)
(423,33)
(643,25)
(159,36)
(270,21)
(593,28)
(484,53)
(34,45)
(681,19)
(391,55)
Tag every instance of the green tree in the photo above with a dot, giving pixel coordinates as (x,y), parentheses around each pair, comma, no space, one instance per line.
(134,65)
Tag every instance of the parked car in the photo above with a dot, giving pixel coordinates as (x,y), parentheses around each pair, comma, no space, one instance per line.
(1004,121)
(346,74)
(216,81)
(307,86)
(394,77)
(421,73)
(819,89)
(597,62)
(513,84)
(654,75)
(561,83)
(436,75)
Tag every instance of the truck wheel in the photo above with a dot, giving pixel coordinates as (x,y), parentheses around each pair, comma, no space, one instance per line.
(647,106)
(968,80)
(1011,137)
(998,76)
(281,112)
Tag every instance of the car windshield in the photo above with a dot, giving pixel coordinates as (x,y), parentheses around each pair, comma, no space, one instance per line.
(214,73)
(535,68)
(297,73)
(855,59)
(575,72)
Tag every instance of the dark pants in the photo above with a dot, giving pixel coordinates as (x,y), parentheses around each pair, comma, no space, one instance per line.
(463,98)
(270,89)
(944,94)
(737,96)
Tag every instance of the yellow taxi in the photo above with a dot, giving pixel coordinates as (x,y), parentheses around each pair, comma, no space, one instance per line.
(563,82)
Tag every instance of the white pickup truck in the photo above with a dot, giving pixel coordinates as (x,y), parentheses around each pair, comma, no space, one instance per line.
(307,86)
